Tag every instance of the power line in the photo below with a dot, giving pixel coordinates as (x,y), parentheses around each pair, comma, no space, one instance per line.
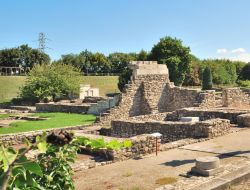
(42,42)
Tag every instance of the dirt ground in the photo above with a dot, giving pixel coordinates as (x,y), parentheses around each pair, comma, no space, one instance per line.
(142,174)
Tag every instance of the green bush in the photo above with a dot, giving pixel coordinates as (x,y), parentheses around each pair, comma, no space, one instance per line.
(245,72)
(50,170)
(49,82)
(244,83)
(207,83)
(124,78)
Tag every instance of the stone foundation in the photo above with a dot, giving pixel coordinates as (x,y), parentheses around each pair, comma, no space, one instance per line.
(171,131)
(235,97)
(205,114)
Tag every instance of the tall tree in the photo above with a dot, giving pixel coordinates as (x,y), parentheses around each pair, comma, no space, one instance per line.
(207,83)
(142,56)
(245,72)
(170,51)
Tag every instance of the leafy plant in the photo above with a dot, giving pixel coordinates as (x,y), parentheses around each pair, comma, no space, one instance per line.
(50,170)
(101,144)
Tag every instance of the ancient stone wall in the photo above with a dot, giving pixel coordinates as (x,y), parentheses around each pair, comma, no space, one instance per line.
(17,138)
(150,92)
(235,97)
(205,114)
(53,107)
(171,131)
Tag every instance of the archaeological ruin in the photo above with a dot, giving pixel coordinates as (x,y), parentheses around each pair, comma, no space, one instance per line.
(152,103)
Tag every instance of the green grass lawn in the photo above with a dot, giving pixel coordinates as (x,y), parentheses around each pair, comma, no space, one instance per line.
(55,120)
(3,116)
(9,85)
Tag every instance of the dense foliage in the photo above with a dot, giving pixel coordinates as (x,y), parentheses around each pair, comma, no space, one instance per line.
(46,82)
(245,72)
(184,68)
(50,170)
(101,144)
(22,56)
(207,83)
(171,51)
(124,78)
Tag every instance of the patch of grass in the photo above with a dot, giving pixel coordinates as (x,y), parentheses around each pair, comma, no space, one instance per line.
(4,116)
(165,180)
(56,120)
(10,85)
(106,84)
(127,174)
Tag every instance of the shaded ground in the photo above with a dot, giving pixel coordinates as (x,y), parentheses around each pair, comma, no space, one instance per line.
(142,174)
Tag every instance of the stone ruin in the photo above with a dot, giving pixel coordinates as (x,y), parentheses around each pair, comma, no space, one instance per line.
(151,103)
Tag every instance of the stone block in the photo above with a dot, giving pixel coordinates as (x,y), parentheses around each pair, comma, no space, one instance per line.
(206,173)
(207,163)
(244,120)
(190,119)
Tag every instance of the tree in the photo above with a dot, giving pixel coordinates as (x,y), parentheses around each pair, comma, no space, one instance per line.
(22,56)
(124,78)
(207,83)
(194,77)
(245,72)
(142,56)
(171,52)
(54,81)
(120,61)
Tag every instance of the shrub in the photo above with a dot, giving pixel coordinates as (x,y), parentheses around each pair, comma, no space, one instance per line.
(49,82)
(207,83)
(244,83)
(245,72)
(124,78)
(50,170)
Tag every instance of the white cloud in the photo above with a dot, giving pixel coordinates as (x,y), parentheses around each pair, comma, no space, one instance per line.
(241,57)
(222,51)
(238,50)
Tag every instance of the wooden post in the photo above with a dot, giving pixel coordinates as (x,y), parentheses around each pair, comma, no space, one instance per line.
(156,144)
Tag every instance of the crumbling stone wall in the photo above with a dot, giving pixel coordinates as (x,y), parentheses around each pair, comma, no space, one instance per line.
(171,131)
(235,97)
(151,92)
(205,114)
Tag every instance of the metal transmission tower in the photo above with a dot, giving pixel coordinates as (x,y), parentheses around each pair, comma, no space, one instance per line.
(42,42)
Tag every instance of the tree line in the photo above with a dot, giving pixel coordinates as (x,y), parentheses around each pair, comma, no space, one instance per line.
(184,68)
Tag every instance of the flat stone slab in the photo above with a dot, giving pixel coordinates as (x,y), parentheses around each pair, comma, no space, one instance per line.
(207,163)
(190,119)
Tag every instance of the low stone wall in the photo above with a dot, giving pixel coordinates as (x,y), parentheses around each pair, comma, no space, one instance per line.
(17,138)
(150,117)
(68,108)
(205,114)
(171,131)
(141,145)
(235,97)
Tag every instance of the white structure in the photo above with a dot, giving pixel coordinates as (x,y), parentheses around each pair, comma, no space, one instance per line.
(147,67)
(86,90)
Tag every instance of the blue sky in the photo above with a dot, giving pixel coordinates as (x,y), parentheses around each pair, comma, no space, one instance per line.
(212,28)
